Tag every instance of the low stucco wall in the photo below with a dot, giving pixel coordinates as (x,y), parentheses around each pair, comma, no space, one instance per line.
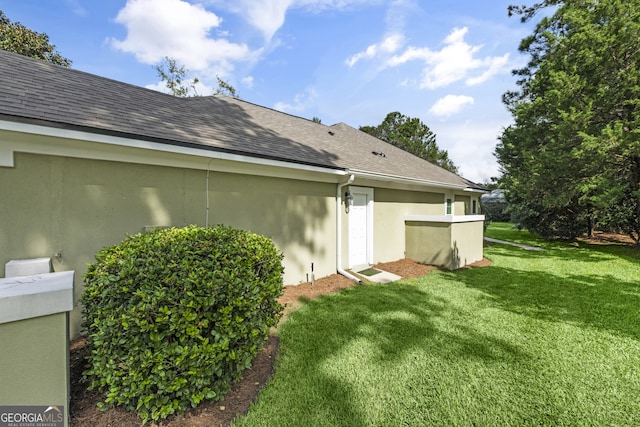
(467,242)
(450,242)
(34,332)
(34,362)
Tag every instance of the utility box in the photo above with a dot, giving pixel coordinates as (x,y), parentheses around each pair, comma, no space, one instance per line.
(27,267)
(34,356)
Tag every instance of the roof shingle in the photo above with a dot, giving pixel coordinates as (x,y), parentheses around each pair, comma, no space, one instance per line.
(36,91)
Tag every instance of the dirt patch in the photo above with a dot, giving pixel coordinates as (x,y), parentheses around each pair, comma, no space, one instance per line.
(405,268)
(602,238)
(84,412)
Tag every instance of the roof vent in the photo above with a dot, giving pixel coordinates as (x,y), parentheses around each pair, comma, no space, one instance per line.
(379,153)
(331,133)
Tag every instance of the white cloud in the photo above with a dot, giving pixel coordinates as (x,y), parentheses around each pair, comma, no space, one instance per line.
(76,7)
(471,145)
(200,88)
(456,61)
(390,44)
(268,16)
(180,30)
(450,104)
(159,86)
(248,81)
(494,64)
(301,102)
(320,5)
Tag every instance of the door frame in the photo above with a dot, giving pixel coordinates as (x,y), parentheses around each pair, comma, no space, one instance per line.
(368,192)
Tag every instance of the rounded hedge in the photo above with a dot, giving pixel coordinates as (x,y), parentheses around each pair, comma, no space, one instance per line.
(174,316)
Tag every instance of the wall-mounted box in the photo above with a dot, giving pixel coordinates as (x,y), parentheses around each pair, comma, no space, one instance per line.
(27,267)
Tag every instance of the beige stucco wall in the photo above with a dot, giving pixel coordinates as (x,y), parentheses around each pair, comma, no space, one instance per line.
(467,242)
(390,209)
(448,244)
(34,362)
(74,207)
(462,205)
(428,243)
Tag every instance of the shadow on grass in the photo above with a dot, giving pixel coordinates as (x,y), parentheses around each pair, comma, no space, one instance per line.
(603,301)
(569,252)
(390,321)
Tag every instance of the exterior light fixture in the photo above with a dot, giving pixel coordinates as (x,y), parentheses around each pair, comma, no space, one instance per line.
(348,198)
(348,201)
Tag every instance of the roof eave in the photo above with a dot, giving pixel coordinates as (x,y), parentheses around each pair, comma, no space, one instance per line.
(91,135)
(405,180)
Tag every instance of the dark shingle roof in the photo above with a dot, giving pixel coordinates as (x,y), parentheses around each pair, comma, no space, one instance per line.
(39,92)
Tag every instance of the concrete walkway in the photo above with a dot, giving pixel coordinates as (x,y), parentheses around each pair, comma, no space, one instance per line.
(520,245)
(381,277)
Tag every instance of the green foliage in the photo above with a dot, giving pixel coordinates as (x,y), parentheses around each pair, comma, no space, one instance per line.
(572,158)
(412,135)
(495,206)
(175,78)
(224,88)
(174,316)
(17,38)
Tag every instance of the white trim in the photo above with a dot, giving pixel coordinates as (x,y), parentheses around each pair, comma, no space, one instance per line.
(6,157)
(405,180)
(75,135)
(369,192)
(476,190)
(444,218)
(339,268)
(447,198)
(7,149)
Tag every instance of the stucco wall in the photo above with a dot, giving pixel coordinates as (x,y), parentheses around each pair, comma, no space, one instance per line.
(73,207)
(428,243)
(391,208)
(448,244)
(462,205)
(467,239)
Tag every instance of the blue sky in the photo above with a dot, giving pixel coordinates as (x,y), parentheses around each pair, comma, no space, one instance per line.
(353,61)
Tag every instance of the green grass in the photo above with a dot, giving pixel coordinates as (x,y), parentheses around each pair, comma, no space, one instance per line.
(538,338)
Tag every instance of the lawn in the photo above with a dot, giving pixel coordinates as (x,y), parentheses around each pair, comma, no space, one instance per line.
(538,338)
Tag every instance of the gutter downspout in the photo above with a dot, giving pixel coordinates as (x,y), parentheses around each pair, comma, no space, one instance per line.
(339,230)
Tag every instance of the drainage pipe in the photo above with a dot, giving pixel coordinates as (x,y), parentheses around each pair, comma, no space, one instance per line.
(339,230)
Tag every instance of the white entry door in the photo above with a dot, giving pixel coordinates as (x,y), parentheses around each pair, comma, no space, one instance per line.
(360,227)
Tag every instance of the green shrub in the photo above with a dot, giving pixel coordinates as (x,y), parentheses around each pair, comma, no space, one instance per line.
(174,316)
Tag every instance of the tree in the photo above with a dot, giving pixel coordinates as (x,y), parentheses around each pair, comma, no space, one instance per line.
(175,78)
(571,160)
(412,135)
(224,88)
(15,37)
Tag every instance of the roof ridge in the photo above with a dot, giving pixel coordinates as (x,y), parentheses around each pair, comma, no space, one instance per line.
(227,97)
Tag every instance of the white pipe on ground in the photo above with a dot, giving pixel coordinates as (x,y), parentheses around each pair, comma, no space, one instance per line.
(339,230)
